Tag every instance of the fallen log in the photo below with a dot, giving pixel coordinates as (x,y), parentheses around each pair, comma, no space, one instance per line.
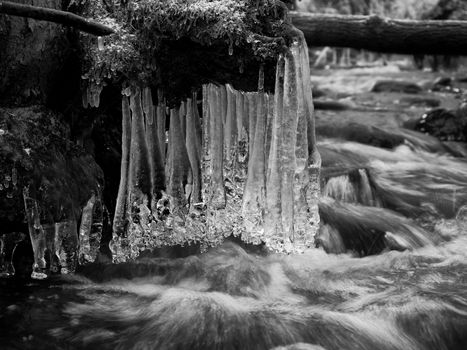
(379,34)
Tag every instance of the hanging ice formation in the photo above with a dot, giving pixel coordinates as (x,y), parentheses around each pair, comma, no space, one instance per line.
(91,95)
(249,167)
(64,245)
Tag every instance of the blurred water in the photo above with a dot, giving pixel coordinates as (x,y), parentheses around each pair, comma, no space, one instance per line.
(229,299)
(394,277)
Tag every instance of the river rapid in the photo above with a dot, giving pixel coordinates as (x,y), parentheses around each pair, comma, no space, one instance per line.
(388,272)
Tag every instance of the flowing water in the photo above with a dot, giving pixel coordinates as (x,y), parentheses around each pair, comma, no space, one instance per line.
(389,273)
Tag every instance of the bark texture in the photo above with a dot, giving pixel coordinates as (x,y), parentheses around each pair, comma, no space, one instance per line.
(379,34)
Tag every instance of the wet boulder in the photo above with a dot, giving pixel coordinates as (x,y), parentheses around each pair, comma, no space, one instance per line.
(362,133)
(441,83)
(420,101)
(444,84)
(394,242)
(331,105)
(447,125)
(406,87)
(367,230)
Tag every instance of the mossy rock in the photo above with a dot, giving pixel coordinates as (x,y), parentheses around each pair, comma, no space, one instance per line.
(35,153)
(180,45)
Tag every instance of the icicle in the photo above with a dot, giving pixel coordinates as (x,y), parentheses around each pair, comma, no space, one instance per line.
(193,148)
(120,219)
(314,158)
(255,187)
(37,235)
(243,140)
(3,264)
(147,105)
(246,115)
(156,165)
(230,130)
(66,245)
(182,114)
(273,222)
(85,231)
(239,113)
(301,150)
(178,164)
(223,102)
(97,227)
(269,122)
(161,119)
(135,184)
(50,243)
(289,135)
(97,95)
(217,195)
(206,146)
(302,230)
(139,170)
(252,105)
(8,244)
(198,127)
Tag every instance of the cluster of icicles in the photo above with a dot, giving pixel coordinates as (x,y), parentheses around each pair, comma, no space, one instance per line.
(63,244)
(247,166)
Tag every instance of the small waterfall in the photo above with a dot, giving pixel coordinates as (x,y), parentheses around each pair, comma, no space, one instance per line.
(368,230)
(367,197)
(341,188)
(354,187)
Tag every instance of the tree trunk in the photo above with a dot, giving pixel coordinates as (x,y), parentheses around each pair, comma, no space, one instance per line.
(382,34)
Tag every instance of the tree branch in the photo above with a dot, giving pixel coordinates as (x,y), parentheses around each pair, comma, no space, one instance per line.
(56,16)
(374,33)
(360,32)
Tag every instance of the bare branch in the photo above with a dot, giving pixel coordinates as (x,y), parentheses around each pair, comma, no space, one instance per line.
(56,16)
